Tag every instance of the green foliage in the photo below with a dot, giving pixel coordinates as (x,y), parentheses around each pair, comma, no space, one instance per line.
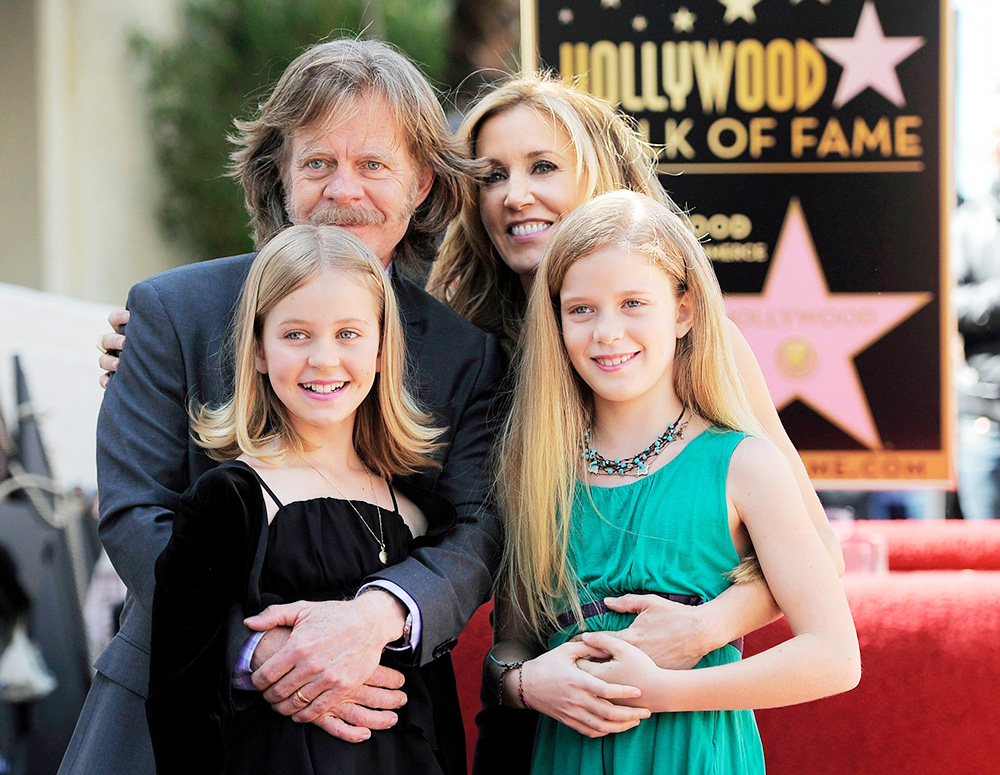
(225,60)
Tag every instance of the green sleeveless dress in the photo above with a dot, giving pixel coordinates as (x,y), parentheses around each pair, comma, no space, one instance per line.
(666,532)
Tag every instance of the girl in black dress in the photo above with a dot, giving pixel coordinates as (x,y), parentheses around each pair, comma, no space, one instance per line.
(304,505)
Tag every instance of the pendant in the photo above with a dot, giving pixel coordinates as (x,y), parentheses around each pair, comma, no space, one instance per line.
(383,557)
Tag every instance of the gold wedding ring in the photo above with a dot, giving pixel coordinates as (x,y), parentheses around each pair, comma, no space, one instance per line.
(100,344)
(302,697)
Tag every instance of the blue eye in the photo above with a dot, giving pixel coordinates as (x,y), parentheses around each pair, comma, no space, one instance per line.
(543,167)
(633,303)
(295,336)
(493,176)
(348,335)
(373,166)
(315,164)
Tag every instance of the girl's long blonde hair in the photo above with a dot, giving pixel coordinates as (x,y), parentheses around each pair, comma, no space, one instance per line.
(392,435)
(469,274)
(540,451)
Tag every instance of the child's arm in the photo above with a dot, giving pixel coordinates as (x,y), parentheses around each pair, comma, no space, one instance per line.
(677,636)
(551,682)
(822,657)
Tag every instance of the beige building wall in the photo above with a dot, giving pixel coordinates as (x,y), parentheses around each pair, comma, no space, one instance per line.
(78,189)
(19,219)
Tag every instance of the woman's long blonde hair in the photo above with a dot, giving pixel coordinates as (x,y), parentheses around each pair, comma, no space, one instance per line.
(392,435)
(540,451)
(469,274)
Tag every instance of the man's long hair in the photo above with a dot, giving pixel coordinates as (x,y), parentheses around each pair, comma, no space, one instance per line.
(320,87)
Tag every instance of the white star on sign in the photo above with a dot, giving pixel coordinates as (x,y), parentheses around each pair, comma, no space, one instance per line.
(565,16)
(611,3)
(683,20)
(869,59)
(739,9)
(639,23)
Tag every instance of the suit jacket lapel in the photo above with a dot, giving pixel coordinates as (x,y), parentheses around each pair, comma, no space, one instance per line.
(411,311)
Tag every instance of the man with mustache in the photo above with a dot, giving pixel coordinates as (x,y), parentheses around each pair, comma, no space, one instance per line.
(352,135)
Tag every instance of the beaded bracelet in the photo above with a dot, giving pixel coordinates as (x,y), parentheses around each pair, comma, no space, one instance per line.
(520,687)
(507,667)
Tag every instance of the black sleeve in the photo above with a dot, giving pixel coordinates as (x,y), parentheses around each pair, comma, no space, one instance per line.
(199,574)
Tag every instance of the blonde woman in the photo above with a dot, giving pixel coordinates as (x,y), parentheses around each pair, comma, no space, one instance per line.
(626,335)
(543,149)
(306,504)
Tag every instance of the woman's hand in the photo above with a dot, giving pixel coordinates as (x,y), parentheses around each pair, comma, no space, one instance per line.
(111,344)
(674,635)
(555,685)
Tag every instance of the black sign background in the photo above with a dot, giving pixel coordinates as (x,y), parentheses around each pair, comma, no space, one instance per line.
(877,221)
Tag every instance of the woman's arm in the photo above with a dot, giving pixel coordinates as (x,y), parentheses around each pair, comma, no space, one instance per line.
(767,416)
(677,636)
(111,345)
(822,657)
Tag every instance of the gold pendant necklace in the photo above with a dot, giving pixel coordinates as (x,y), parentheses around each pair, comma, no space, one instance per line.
(383,555)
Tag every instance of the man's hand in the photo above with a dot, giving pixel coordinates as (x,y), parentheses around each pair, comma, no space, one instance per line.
(352,720)
(673,635)
(269,645)
(332,652)
(112,341)
(370,708)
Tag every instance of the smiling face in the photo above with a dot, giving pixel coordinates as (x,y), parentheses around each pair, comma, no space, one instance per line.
(357,174)
(621,320)
(531,183)
(320,350)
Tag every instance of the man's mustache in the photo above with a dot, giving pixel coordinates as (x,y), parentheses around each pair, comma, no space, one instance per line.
(346,216)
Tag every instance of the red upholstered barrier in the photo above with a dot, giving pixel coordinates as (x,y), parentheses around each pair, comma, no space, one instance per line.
(927,702)
(928,699)
(468,658)
(936,544)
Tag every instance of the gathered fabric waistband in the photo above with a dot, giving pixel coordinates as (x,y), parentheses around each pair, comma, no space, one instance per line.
(597,607)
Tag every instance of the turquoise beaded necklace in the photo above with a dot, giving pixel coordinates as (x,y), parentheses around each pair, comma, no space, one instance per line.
(637,465)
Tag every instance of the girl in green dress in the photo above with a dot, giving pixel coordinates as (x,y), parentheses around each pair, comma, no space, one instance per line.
(625,338)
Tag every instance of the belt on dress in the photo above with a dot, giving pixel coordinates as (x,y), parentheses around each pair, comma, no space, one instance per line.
(598,607)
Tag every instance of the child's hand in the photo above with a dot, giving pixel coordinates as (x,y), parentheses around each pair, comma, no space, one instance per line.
(618,662)
(554,685)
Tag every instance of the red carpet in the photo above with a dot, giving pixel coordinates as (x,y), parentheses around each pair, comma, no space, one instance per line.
(927,702)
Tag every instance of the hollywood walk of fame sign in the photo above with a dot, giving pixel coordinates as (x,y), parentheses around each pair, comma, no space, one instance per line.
(807,138)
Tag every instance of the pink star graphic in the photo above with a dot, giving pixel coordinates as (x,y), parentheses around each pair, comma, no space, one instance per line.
(806,337)
(869,59)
